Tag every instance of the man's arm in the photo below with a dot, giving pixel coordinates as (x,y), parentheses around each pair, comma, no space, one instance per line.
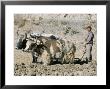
(89,38)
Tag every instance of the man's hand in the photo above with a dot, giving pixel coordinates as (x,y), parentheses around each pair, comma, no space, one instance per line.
(85,39)
(84,44)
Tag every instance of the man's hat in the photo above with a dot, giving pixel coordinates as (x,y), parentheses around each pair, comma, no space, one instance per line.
(88,27)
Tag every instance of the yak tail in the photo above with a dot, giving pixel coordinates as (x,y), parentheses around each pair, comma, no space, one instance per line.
(25,36)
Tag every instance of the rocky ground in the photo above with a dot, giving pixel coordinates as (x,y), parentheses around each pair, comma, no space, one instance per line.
(65,26)
(55,70)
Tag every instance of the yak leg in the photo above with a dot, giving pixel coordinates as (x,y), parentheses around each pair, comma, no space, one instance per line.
(34,56)
(45,58)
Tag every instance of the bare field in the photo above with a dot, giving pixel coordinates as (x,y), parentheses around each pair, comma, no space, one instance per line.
(24,67)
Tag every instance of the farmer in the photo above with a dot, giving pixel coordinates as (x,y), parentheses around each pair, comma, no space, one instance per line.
(88,45)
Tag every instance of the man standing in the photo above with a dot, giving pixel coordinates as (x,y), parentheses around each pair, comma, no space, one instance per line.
(88,45)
